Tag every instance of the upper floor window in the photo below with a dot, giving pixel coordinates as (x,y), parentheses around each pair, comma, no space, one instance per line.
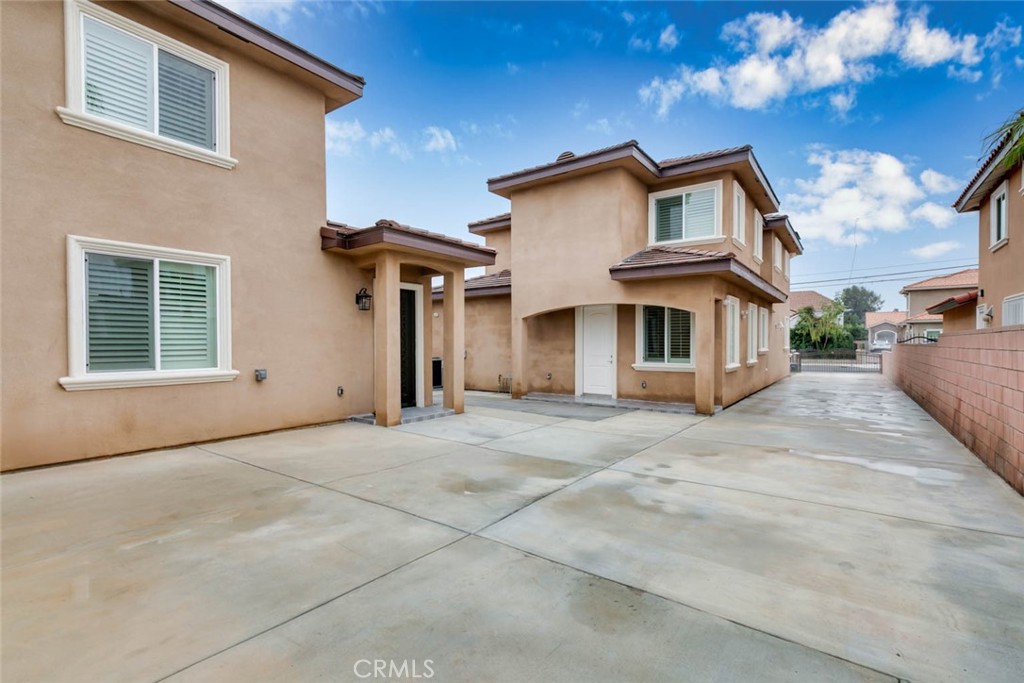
(758,236)
(777,255)
(664,338)
(739,213)
(128,81)
(142,315)
(785,263)
(689,214)
(997,209)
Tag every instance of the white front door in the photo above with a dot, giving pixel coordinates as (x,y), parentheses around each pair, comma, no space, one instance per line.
(598,350)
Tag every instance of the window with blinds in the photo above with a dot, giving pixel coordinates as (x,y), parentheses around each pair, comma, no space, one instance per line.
(1013,310)
(149,314)
(690,215)
(667,335)
(135,82)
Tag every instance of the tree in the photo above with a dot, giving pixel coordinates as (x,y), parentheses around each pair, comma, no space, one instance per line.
(857,301)
(1013,130)
(820,331)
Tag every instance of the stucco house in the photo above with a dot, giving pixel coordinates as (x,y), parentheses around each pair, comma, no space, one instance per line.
(808,298)
(997,193)
(619,277)
(922,324)
(883,328)
(169,275)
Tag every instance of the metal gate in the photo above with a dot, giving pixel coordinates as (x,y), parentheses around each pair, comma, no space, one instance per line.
(842,360)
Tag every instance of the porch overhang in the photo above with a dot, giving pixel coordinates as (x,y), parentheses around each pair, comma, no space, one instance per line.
(954,302)
(387,235)
(779,225)
(727,268)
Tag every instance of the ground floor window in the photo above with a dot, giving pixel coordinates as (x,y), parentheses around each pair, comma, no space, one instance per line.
(762,339)
(751,333)
(142,315)
(1013,310)
(665,337)
(932,334)
(732,332)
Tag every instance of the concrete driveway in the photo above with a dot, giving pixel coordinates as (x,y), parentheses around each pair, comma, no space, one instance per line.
(825,529)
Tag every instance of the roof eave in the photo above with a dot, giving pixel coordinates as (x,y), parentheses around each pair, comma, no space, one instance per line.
(729,266)
(503,185)
(972,196)
(332,238)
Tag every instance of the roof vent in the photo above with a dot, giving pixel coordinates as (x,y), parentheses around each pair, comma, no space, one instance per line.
(565,156)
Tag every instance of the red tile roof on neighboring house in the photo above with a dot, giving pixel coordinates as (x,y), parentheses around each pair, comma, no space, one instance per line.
(924,318)
(954,302)
(964,278)
(665,254)
(801,299)
(873,318)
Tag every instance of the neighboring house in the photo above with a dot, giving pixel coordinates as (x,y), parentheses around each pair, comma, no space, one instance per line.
(997,193)
(883,328)
(622,277)
(920,322)
(163,179)
(808,298)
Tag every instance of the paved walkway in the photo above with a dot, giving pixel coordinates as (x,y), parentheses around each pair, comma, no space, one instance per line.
(825,529)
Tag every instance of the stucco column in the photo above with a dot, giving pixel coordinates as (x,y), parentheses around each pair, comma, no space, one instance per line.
(519,341)
(428,339)
(454,340)
(387,349)
(704,375)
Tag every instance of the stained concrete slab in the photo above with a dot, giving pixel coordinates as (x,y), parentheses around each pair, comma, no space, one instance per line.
(468,489)
(551,409)
(130,569)
(330,452)
(640,423)
(479,611)
(957,495)
(916,600)
(515,415)
(574,445)
(470,428)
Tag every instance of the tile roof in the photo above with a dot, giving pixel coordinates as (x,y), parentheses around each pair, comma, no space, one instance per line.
(502,279)
(346,230)
(982,170)
(963,278)
(801,299)
(954,302)
(665,254)
(500,217)
(925,317)
(872,318)
(562,159)
(667,163)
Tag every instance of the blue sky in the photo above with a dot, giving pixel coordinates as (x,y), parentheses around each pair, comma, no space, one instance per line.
(868,118)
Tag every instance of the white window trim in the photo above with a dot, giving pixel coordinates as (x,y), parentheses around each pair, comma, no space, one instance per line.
(648,366)
(1012,299)
(777,253)
(732,319)
(758,237)
(73,112)
(933,329)
(79,379)
(739,217)
(763,330)
(652,218)
(752,327)
(1004,190)
(785,266)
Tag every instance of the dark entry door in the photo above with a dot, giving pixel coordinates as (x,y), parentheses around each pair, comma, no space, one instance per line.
(408,327)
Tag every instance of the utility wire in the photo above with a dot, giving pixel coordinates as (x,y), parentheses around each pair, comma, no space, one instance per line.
(862,279)
(892,265)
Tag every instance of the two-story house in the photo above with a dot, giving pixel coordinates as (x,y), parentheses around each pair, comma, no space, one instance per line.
(997,193)
(922,322)
(625,278)
(809,298)
(169,275)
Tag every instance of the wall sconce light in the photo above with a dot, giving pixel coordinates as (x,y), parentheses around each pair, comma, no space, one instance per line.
(363,299)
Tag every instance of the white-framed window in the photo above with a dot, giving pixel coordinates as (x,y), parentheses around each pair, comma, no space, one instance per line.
(128,81)
(732,332)
(932,334)
(739,213)
(982,316)
(998,233)
(142,316)
(785,264)
(664,339)
(1013,310)
(751,333)
(786,331)
(777,253)
(687,214)
(758,236)
(762,327)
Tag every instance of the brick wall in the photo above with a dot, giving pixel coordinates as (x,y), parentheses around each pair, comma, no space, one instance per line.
(973,384)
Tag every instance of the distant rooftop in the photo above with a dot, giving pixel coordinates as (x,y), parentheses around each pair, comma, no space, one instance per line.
(963,278)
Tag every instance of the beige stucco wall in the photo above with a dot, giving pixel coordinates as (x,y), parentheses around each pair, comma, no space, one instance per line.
(501,242)
(292,308)
(488,339)
(962,319)
(918,301)
(1000,273)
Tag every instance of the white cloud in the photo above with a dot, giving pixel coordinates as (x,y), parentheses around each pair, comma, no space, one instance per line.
(936,249)
(669,38)
(387,138)
(437,139)
(1019,61)
(580,108)
(342,137)
(628,17)
(600,126)
(278,11)
(855,191)
(937,183)
(640,44)
(512,69)
(936,214)
(781,56)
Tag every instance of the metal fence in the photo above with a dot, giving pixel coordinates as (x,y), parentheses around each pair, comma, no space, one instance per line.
(842,360)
